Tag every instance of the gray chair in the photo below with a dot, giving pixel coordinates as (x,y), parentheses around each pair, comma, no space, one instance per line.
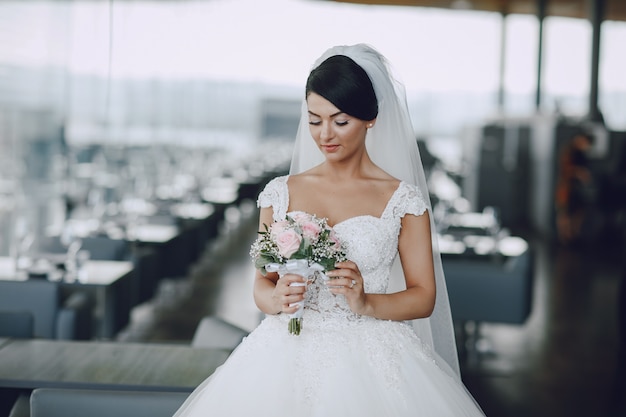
(16,323)
(484,291)
(54,318)
(21,407)
(213,332)
(491,292)
(51,402)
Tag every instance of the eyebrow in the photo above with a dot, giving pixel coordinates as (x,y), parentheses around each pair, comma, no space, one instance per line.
(332,115)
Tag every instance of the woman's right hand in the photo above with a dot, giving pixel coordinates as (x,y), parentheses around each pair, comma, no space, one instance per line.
(285,294)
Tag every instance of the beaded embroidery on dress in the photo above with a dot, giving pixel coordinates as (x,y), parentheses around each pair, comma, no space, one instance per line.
(342,364)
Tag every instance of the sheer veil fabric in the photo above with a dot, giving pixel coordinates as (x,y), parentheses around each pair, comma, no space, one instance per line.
(392,145)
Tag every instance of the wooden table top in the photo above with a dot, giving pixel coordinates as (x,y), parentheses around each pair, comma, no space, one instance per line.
(36,363)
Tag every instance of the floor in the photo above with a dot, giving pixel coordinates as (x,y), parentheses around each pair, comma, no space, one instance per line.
(562,362)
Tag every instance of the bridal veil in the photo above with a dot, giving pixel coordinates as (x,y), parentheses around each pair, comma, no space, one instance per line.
(392,145)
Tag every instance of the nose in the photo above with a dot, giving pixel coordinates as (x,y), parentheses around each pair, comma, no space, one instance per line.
(326,131)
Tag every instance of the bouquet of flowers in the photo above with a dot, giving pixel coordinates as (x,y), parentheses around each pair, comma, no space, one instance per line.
(302,244)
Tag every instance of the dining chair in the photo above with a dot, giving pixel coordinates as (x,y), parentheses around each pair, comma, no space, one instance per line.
(56,402)
(53,316)
(16,323)
(488,291)
(213,332)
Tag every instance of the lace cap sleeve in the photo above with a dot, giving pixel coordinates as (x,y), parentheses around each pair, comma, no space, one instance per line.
(275,195)
(410,200)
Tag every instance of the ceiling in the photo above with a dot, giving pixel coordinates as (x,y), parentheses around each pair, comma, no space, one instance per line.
(615,9)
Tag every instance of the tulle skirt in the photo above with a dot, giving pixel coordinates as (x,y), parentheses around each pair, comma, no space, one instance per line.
(371,368)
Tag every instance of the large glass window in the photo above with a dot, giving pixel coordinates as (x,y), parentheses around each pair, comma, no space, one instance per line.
(612,83)
(149,70)
(567,69)
(520,63)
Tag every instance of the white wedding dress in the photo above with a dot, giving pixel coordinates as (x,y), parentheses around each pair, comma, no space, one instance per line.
(342,364)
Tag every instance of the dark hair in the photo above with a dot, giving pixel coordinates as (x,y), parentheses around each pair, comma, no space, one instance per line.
(344,83)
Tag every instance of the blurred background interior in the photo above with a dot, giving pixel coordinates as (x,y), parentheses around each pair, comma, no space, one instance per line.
(135,136)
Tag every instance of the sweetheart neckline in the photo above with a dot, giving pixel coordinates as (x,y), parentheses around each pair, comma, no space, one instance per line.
(344,220)
(382,215)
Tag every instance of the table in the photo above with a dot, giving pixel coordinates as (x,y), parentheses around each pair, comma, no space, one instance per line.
(166,250)
(7,268)
(109,282)
(164,239)
(30,364)
(95,272)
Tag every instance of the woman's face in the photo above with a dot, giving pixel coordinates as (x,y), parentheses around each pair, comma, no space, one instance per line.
(337,134)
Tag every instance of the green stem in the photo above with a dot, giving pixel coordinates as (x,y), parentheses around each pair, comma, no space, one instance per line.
(295,326)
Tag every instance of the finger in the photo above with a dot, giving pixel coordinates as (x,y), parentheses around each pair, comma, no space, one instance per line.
(348,282)
(345,291)
(289,310)
(289,278)
(347,265)
(341,273)
(296,289)
(290,299)
(352,283)
(342,283)
(292,292)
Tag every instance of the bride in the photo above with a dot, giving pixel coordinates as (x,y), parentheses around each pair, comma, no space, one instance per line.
(377,341)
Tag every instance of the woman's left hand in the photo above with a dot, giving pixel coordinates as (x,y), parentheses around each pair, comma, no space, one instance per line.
(346,279)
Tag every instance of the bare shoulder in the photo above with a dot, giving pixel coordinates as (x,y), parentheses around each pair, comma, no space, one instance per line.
(385,183)
(304,179)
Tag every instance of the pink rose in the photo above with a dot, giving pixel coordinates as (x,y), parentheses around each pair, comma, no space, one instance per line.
(288,242)
(333,238)
(311,230)
(278,227)
(300,217)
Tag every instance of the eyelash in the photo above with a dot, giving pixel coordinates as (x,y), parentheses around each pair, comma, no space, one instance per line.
(337,123)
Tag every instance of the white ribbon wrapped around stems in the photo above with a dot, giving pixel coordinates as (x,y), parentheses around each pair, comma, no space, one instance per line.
(297,267)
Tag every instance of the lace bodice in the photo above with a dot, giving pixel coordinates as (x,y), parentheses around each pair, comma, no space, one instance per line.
(372,243)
